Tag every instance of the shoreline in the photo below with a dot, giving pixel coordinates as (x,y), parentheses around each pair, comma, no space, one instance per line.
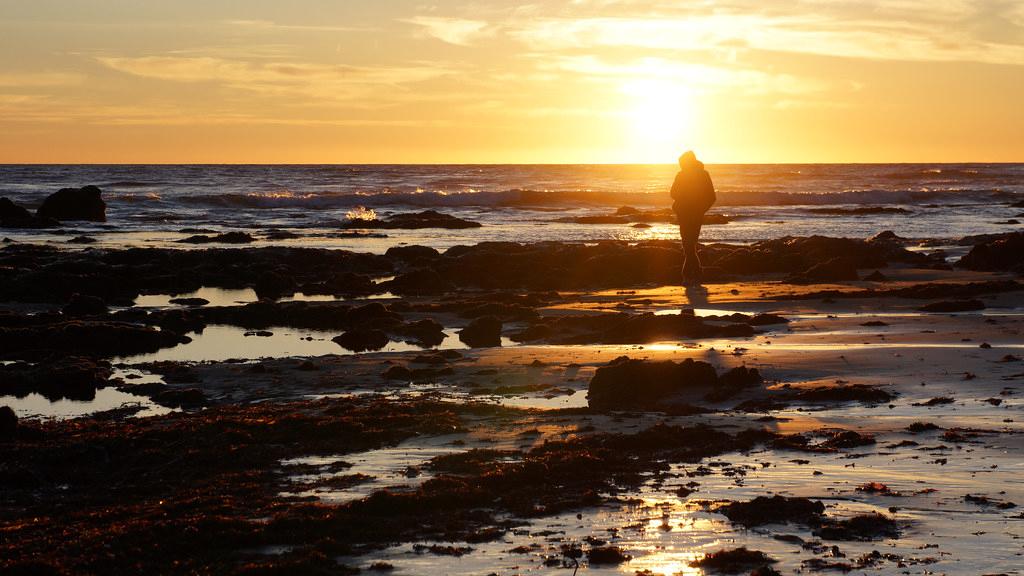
(355,459)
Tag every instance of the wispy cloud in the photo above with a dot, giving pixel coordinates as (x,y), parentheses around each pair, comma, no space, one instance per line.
(40,79)
(270,26)
(895,30)
(322,81)
(696,77)
(458,31)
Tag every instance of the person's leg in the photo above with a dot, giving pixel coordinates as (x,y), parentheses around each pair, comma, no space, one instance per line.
(689,232)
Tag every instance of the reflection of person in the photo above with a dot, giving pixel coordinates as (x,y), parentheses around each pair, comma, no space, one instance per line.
(692,195)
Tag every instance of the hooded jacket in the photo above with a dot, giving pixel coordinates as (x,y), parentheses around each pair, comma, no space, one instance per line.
(692,190)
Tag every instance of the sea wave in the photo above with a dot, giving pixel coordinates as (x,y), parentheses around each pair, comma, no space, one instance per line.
(588,198)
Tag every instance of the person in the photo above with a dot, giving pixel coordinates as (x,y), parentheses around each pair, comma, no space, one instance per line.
(693,194)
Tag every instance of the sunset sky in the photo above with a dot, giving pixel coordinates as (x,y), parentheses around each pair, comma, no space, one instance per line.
(551,81)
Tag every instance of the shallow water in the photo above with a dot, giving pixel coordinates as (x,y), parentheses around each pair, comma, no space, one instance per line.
(160,205)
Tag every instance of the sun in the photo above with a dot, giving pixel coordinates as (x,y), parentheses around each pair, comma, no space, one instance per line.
(659,119)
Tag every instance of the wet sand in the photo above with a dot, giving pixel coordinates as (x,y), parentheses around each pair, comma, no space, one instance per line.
(281,451)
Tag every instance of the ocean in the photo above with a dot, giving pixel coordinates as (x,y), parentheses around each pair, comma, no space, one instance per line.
(158,205)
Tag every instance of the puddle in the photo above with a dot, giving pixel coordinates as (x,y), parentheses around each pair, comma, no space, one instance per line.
(37,406)
(222,342)
(394,468)
(216,296)
(664,533)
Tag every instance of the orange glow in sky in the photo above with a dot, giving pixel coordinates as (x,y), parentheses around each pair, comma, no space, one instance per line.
(588,81)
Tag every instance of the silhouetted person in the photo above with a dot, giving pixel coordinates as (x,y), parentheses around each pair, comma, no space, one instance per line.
(692,195)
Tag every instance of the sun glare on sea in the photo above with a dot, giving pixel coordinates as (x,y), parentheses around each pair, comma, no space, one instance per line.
(659,119)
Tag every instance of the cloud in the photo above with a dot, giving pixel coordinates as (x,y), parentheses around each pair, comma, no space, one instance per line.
(458,31)
(321,81)
(705,77)
(909,30)
(39,79)
(269,25)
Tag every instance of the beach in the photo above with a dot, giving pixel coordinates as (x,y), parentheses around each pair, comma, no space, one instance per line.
(473,370)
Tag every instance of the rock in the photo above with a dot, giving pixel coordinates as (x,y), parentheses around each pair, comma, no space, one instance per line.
(833,270)
(859,211)
(84,306)
(11,211)
(427,333)
(185,398)
(416,220)
(865,527)
(734,561)
(626,329)
(71,377)
(414,254)
(919,427)
(14,216)
(876,276)
(225,238)
(482,332)
(93,337)
(886,236)
(422,281)
(953,306)
(767,320)
(849,393)
(638,384)
(740,377)
(362,340)
(775,510)
(999,253)
(194,302)
(8,423)
(607,555)
(75,204)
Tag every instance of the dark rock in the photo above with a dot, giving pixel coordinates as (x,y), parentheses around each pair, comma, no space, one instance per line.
(362,340)
(422,281)
(185,398)
(637,384)
(189,301)
(80,305)
(416,220)
(427,333)
(412,254)
(953,306)
(886,236)
(918,427)
(9,211)
(937,401)
(740,377)
(69,377)
(482,332)
(775,510)
(8,422)
(100,338)
(767,320)
(75,204)
(734,561)
(865,527)
(860,211)
(833,270)
(225,238)
(626,329)
(607,555)
(851,393)
(14,216)
(876,276)
(1004,252)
